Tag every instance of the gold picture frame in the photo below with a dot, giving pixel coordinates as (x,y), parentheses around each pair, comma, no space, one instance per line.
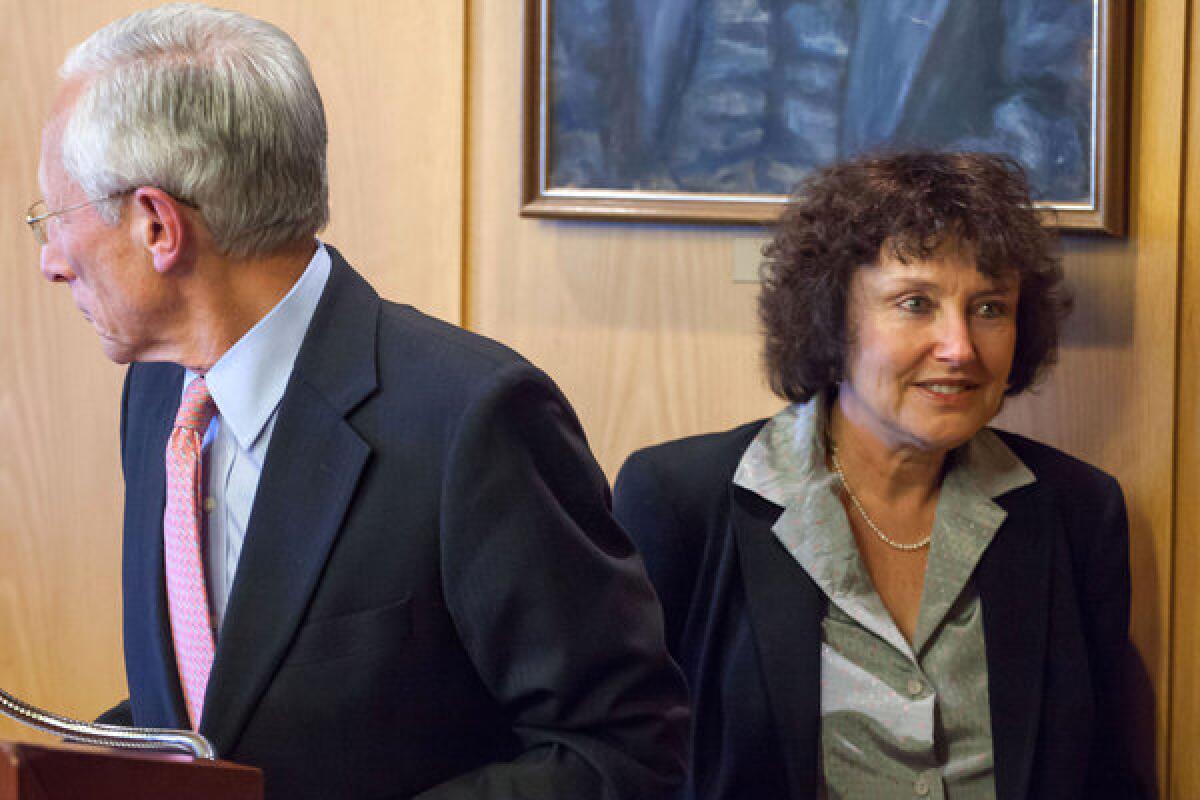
(1100,206)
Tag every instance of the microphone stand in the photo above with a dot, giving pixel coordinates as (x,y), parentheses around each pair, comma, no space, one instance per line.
(115,736)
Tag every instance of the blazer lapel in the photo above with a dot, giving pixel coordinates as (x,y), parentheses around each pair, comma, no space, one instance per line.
(312,468)
(893,39)
(1013,579)
(150,655)
(786,609)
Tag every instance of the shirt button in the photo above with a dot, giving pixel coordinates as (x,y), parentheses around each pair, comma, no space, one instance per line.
(915,687)
(209,505)
(921,787)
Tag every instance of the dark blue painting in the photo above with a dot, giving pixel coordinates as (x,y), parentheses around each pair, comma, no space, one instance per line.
(743,97)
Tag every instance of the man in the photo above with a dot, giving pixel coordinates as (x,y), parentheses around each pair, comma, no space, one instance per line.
(364,550)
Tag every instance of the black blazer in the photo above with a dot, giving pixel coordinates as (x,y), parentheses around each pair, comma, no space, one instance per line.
(744,620)
(432,596)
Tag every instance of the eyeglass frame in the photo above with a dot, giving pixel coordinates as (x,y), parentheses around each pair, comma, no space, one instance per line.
(37,222)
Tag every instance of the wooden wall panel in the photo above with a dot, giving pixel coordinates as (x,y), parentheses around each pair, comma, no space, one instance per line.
(648,336)
(640,324)
(1112,399)
(391,73)
(1185,653)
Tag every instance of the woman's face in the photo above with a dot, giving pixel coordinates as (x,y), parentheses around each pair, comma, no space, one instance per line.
(931,346)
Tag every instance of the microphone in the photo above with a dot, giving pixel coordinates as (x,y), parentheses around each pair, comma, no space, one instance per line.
(115,736)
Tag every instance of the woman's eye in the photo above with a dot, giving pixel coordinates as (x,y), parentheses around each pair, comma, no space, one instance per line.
(991,309)
(915,305)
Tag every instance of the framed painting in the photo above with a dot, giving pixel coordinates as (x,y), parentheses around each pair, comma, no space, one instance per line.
(713,110)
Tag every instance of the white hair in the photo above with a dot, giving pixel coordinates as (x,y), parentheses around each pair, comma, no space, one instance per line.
(216,108)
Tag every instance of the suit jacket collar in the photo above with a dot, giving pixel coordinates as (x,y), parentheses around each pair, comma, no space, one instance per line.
(1014,579)
(312,468)
(149,654)
(786,610)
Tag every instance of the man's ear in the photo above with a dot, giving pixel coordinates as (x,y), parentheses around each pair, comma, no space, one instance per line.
(160,225)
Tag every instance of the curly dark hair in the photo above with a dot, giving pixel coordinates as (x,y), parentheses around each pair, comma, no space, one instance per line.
(842,217)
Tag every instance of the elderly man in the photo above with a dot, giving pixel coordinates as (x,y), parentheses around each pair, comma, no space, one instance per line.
(364,550)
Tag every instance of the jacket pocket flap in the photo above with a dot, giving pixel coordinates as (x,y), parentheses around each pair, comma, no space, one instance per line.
(362,631)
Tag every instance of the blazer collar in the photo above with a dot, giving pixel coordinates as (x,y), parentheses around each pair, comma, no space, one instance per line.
(312,467)
(1014,582)
(786,609)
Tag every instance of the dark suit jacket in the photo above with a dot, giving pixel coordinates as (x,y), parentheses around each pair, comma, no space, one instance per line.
(432,590)
(744,620)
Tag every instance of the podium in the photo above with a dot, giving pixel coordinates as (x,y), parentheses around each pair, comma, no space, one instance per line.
(67,772)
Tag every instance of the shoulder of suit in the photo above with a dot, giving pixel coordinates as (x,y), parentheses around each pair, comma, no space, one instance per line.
(429,343)
(705,461)
(1053,467)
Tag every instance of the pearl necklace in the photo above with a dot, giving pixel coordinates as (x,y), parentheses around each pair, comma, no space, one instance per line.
(889,541)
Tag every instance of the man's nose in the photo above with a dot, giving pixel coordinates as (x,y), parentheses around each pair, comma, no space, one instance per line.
(53,265)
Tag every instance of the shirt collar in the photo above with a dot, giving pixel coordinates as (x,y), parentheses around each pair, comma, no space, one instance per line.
(248,381)
(785,464)
(787,458)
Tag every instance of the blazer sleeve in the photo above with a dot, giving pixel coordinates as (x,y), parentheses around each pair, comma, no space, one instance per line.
(1104,590)
(648,511)
(554,608)
(120,714)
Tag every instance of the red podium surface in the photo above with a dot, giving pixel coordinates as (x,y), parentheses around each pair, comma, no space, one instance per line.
(66,772)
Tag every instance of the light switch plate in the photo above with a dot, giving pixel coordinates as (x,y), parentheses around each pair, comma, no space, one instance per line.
(747,256)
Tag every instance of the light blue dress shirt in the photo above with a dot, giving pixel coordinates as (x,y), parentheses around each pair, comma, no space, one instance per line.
(247,383)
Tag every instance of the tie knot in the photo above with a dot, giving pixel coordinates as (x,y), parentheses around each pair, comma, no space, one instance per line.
(197,408)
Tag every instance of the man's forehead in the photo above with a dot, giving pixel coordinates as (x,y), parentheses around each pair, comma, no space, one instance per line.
(50,157)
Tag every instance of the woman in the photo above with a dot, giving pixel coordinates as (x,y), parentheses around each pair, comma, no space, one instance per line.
(873,594)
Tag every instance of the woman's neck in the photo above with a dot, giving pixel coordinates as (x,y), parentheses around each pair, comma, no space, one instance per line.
(890,473)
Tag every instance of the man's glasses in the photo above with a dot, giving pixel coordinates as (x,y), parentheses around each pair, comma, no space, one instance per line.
(38,215)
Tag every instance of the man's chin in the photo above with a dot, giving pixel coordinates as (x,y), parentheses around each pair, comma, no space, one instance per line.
(116,352)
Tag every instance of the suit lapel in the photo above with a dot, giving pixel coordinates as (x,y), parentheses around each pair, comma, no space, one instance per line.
(889,50)
(785,609)
(1013,579)
(311,470)
(151,655)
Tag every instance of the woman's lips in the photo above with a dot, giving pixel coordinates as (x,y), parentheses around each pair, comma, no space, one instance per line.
(949,393)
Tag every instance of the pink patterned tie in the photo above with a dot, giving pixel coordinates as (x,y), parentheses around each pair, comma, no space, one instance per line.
(187,599)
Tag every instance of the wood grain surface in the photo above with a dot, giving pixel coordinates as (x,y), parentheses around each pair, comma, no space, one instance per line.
(1185,622)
